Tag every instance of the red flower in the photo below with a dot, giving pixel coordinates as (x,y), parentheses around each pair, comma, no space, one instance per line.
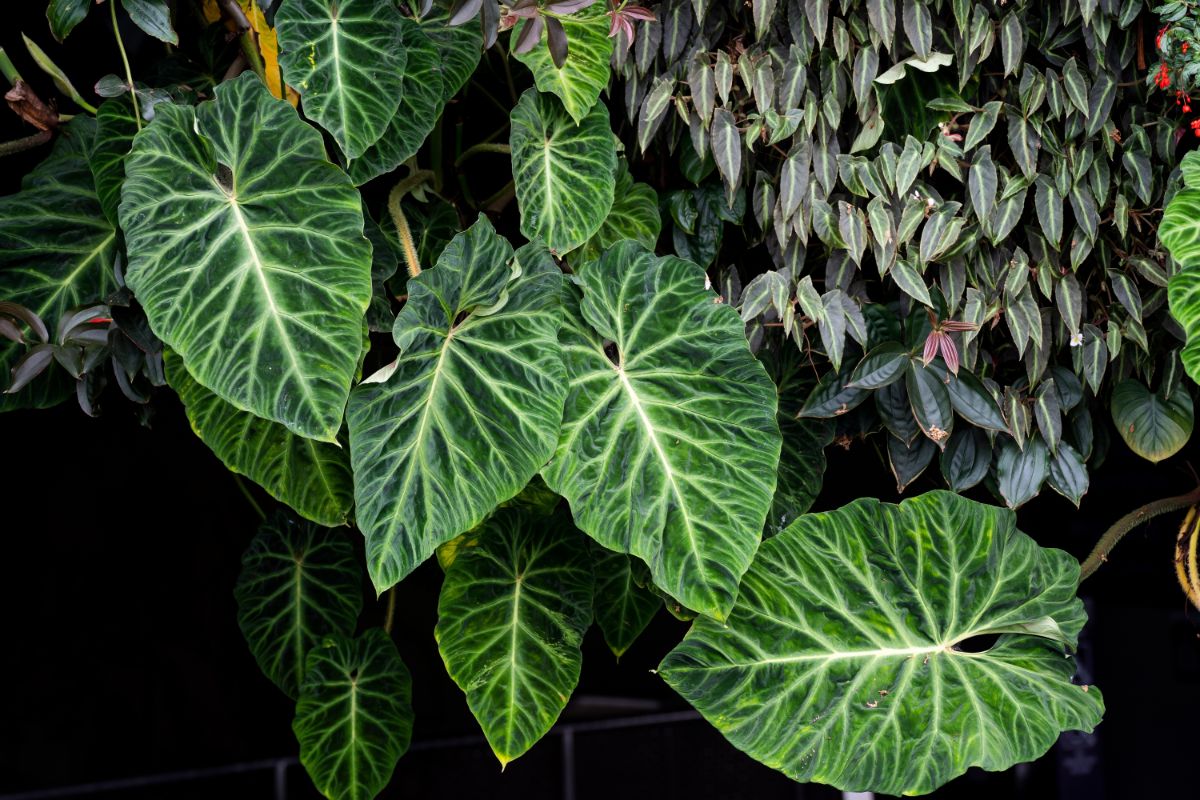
(1161,33)
(1164,76)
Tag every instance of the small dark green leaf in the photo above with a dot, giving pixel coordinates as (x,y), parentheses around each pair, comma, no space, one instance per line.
(1155,428)
(1020,473)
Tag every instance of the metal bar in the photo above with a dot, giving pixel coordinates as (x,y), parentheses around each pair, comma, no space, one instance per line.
(568,764)
(153,780)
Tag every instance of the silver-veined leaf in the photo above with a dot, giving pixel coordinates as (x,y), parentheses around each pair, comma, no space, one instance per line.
(634,215)
(565,173)
(471,408)
(246,250)
(354,718)
(669,444)
(1154,427)
(842,662)
(511,617)
(310,476)
(299,583)
(623,607)
(459,47)
(346,59)
(579,82)
(1180,234)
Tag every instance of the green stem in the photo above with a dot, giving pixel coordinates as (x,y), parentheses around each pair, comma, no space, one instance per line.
(1130,521)
(245,490)
(9,69)
(512,88)
(482,147)
(389,618)
(254,58)
(137,111)
(24,143)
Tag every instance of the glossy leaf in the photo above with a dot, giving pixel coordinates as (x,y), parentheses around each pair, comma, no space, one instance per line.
(153,17)
(354,717)
(246,250)
(842,663)
(471,408)
(299,583)
(634,215)
(565,174)
(1154,427)
(665,380)
(346,59)
(584,75)
(623,607)
(511,618)
(64,15)
(459,48)
(1020,472)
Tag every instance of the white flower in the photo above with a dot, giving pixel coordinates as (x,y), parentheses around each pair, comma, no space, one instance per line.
(1076,339)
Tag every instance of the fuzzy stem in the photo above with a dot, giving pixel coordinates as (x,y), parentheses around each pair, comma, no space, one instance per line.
(137,111)
(397,213)
(24,143)
(1130,521)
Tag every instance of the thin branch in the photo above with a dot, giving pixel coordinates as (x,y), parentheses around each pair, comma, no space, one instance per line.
(137,111)
(25,143)
(245,490)
(482,147)
(1130,521)
(389,618)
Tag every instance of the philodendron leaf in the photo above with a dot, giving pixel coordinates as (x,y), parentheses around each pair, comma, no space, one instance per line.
(665,379)
(458,46)
(57,251)
(1180,234)
(346,59)
(471,408)
(511,617)
(585,74)
(115,129)
(565,173)
(1154,427)
(623,608)
(310,476)
(634,215)
(354,717)
(246,250)
(299,583)
(421,103)
(843,660)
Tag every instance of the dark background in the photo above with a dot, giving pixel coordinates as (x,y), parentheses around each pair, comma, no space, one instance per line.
(121,654)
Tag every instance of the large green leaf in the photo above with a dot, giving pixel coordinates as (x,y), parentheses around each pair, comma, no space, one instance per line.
(634,215)
(623,608)
(669,443)
(346,59)
(57,250)
(299,583)
(421,103)
(459,47)
(354,718)
(246,250)
(1180,234)
(585,74)
(843,660)
(511,617)
(115,129)
(1154,427)
(471,408)
(310,476)
(565,174)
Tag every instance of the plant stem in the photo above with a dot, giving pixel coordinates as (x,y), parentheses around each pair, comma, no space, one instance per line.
(254,58)
(389,618)
(1130,521)
(482,147)
(397,213)
(8,68)
(137,111)
(245,490)
(24,143)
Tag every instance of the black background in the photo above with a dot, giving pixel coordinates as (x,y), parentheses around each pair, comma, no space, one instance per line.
(120,654)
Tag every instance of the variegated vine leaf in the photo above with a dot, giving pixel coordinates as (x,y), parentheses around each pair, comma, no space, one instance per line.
(661,374)
(57,250)
(346,59)
(848,658)
(469,411)
(299,583)
(310,476)
(1180,233)
(354,717)
(246,250)
(565,173)
(579,82)
(511,616)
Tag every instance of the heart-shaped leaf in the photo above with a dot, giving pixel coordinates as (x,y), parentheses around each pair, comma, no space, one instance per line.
(346,59)
(511,617)
(585,74)
(634,215)
(565,174)
(459,47)
(310,476)
(471,408)
(299,583)
(354,718)
(666,381)
(623,608)
(843,661)
(246,250)
(1153,426)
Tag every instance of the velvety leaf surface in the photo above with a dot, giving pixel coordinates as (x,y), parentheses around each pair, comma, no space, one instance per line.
(346,59)
(299,583)
(669,443)
(310,476)
(246,250)
(1154,427)
(634,215)
(471,408)
(565,174)
(459,47)
(57,250)
(354,718)
(585,74)
(511,618)
(841,663)
(1180,234)
(623,608)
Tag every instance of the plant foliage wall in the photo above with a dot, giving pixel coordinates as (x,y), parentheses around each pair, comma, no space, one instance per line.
(734,234)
